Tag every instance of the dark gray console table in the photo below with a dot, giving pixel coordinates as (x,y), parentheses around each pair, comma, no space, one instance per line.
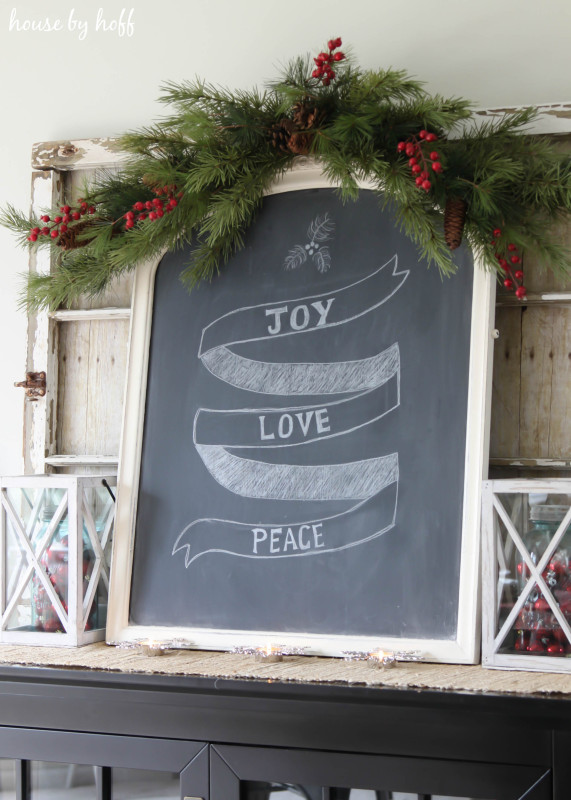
(231,739)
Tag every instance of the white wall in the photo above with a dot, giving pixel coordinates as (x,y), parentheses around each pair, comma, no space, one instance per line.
(55,85)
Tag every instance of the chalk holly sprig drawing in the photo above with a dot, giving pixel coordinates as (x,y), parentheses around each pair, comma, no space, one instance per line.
(320,230)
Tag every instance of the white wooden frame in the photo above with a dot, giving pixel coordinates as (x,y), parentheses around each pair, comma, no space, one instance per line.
(74,504)
(465,648)
(495,556)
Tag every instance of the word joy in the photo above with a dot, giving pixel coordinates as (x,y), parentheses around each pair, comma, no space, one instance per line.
(300,317)
(122,26)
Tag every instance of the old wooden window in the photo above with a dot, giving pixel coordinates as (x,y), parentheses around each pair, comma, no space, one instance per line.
(83,350)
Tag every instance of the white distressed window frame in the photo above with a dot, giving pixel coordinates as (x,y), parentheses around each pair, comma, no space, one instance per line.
(50,162)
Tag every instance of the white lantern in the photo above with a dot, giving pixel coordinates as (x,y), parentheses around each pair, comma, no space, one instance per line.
(526,586)
(55,552)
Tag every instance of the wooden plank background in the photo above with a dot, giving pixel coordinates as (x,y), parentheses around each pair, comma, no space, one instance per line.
(92,369)
(531,394)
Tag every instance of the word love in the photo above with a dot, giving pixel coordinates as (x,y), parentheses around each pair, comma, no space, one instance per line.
(299,318)
(122,26)
(287,423)
(271,541)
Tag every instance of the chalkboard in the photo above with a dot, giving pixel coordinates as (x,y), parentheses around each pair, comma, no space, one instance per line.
(304,439)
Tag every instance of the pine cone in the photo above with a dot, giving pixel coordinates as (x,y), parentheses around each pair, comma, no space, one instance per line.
(68,239)
(305,116)
(299,143)
(281,133)
(454,219)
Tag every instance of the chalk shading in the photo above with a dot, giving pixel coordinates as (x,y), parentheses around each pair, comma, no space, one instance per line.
(246,477)
(335,377)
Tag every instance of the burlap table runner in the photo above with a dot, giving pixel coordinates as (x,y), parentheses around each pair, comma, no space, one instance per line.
(305,669)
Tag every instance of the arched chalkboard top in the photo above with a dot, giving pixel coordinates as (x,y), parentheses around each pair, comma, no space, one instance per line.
(305,172)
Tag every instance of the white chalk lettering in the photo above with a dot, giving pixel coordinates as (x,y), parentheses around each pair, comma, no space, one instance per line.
(305,420)
(284,433)
(294,318)
(259,535)
(300,317)
(263,434)
(290,539)
(317,535)
(322,421)
(322,310)
(274,541)
(287,540)
(277,322)
(307,545)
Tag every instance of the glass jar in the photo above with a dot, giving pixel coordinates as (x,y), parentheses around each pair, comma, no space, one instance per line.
(55,562)
(538,630)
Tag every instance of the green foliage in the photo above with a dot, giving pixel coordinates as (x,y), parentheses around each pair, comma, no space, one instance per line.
(217,154)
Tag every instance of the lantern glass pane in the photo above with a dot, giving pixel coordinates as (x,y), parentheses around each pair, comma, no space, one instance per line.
(36,555)
(507,557)
(98,511)
(535,626)
(40,612)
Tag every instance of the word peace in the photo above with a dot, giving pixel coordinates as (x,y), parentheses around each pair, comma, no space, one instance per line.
(284,540)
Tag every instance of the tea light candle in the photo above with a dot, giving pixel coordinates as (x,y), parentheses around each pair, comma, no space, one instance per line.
(152,648)
(268,654)
(380,659)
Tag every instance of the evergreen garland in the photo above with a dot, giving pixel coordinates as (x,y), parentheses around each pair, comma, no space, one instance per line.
(200,177)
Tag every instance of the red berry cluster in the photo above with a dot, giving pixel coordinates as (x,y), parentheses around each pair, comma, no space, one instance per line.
(323,71)
(419,163)
(512,266)
(60,223)
(165,201)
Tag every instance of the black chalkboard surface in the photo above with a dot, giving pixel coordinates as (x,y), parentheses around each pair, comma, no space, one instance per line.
(304,443)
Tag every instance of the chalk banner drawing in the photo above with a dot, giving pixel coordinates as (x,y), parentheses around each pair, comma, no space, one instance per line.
(362,391)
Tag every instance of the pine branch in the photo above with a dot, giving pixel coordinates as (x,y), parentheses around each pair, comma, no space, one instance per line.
(219,151)
(19,224)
